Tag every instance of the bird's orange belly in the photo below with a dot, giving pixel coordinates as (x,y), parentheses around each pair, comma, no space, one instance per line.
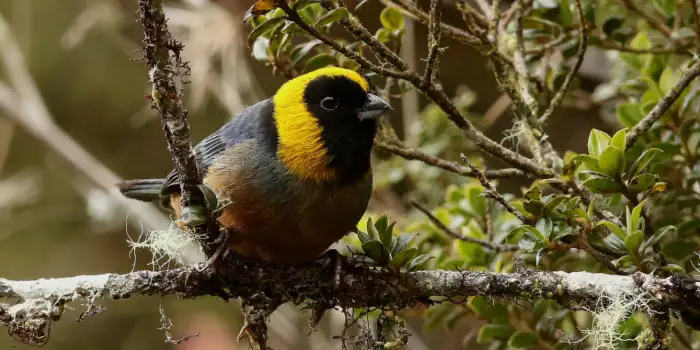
(278,239)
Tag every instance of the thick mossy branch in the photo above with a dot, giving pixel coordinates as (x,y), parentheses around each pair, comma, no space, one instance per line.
(265,286)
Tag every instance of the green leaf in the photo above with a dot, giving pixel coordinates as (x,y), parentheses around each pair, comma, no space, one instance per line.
(494,312)
(643,161)
(403,257)
(332,16)
(418,261)
(527,236)
(363,236)
(633,241)
(319,61)
(302,4)
(565,16)
(523,340)
(653,66)
(263,28)
(658,236)
(534,193)
(553,203)
(612,161)
(614,242)
(643,182)
(672,269)
(601,185)
(628,114)
(617,230)
(375,251)
(490,332)
(391,19)
(383,230)
(640,41)
(650,98)
(598,141)
(619,140)
(635,216)
(401,242)
(302,50)
(534,207)
(372,230)
(545,226)
(666,7)
(668,80)
(260,49)
(383,35)
(590,162)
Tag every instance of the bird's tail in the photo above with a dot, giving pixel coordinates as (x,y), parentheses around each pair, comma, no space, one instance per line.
(147,190)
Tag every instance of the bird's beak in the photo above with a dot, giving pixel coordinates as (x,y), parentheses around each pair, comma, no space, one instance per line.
(374,108)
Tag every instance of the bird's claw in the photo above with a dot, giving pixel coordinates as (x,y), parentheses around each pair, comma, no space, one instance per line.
(223,247)
(334,258)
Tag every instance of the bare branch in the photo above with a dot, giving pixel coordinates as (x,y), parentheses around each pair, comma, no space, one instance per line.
(663,105)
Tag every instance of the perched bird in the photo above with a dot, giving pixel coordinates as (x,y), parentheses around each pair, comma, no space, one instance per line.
(294,170)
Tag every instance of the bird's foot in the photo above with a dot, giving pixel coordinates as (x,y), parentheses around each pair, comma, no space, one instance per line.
(334,259)
(223,247)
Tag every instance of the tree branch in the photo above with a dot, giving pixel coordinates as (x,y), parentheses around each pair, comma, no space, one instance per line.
(166,94)
(40,302)
(582,44)
(409,153)
(663,105)
(490,191)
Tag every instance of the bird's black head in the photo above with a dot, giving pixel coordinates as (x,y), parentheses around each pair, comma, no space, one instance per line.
(347,115)
(343,114)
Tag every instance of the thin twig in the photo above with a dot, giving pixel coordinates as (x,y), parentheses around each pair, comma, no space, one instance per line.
(519,63)
(583,42)
(542,148)
(696,19)
(410,153)
(485,8)
(432,66)
(461,237)
(663,105)
(491,192)
(494,23)
(654,21)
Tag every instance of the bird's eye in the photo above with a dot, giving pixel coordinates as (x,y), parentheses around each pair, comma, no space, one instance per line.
(329,103)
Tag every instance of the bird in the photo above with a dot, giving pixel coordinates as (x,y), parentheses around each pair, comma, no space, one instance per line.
(293,170)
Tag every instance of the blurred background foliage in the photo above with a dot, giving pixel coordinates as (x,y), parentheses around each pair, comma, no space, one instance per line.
(57,217)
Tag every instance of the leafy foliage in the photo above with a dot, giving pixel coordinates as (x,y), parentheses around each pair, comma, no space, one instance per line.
(629,204)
